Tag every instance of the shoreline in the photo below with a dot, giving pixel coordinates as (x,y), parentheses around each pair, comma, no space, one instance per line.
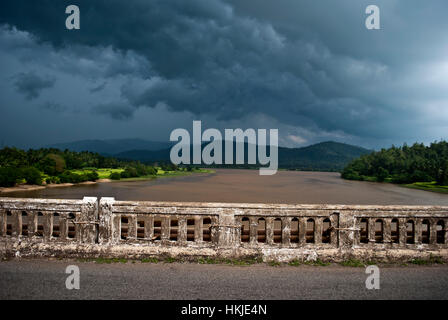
(422,186)
(33,187)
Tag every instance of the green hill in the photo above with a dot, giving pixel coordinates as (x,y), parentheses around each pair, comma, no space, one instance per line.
(405,165)
(325,156)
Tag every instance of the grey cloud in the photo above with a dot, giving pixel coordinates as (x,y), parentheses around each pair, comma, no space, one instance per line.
(308,65)
(31,84)
(98,88)
(53,106)
(118,111)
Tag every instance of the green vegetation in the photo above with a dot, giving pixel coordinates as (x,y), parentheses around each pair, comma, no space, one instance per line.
(431,260)
(242,262)
(235,262)
(357,263)
(9,176)
(52,166)
(317,262)
(294,263)
(104,260)
(419,166)
(427,186)
(170,260)
(352,263)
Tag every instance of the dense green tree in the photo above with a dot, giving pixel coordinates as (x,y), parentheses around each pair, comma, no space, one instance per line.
(382,174)
(406,164)
(9,176)
(115,176)
(32,175)
(57,164)
(442,177)
(129,172)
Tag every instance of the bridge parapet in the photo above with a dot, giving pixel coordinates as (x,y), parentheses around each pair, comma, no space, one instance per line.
(45,220)
(213,228)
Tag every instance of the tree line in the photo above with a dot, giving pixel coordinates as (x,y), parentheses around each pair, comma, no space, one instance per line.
(403,165)
(48,165)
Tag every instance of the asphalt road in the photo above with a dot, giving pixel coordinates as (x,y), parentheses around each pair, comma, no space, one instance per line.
(43,279)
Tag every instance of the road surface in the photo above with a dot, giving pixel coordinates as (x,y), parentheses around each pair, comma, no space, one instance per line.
(44,279)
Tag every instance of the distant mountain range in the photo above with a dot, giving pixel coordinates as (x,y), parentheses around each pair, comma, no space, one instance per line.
(324,156)
(111,146)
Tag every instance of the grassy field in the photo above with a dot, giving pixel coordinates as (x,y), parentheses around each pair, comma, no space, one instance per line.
(104,173)
(427,186)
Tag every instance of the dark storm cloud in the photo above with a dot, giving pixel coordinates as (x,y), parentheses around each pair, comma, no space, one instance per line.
(310,67)
(118,111)
(31,84)
(53,106)
(98,88)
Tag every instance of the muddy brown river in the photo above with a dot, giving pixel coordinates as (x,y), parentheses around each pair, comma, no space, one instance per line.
(228,185)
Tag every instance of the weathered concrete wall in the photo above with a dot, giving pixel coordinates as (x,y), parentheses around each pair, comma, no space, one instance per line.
(109,228)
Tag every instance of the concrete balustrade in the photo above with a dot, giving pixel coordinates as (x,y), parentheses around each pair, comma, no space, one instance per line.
(49,220)
(106,227)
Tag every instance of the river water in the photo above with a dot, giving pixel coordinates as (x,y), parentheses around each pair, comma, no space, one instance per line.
(228,185)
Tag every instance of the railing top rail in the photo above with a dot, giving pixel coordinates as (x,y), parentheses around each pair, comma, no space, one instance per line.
(39,200)
(44,204)
(217,205)
(34,202)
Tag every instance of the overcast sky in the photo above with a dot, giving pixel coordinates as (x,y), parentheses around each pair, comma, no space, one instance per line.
(141,68)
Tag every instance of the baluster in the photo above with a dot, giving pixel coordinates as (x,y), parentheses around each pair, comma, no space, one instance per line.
(63,226)
(132,227)
(79,227)
(182,230)
(253,224)
(238,233)
(149,226)
(418,231)
(402,229)
(433,231)
(371,227)
(318,227)
(3,223)
(165,233)
(32,223)
(48,225)
(286,231)
(197,229)
(445,226)
(333,233)
(116,229)
(270,231)
(357,232)
(214,233)
(302,230)
(387,227)
(16,223)
(19,220)
(445,230)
